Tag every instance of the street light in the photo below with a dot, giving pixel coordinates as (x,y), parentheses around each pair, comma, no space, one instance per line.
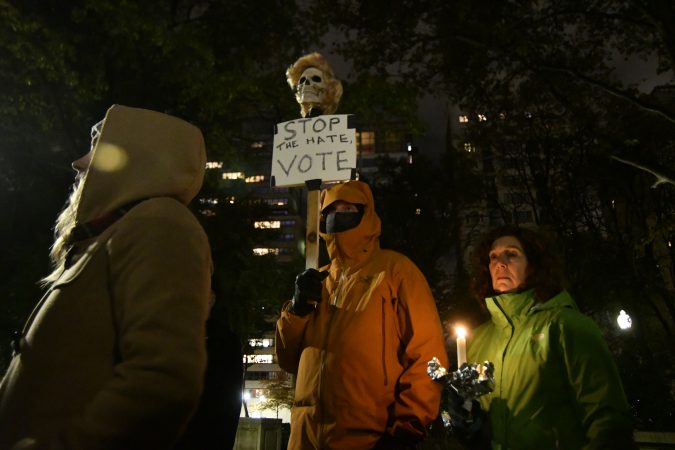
(624,320)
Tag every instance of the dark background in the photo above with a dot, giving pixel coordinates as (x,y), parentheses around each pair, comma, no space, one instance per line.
(549,70)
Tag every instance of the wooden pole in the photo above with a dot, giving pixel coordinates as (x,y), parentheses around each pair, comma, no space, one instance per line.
(313,213)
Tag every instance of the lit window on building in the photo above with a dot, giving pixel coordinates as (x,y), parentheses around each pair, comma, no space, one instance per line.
(233,175)
(365,141)
(482,118)
(262,251)
(265,343)
(266,224)
(208,201)
(214,165)
(255,179)
(207,212)
(275,201)
(418,211)
(463,119)
(258,359)
(258,144)
(468,147)
(231,200)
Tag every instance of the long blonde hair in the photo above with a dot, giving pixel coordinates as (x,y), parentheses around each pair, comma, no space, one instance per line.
(65,223)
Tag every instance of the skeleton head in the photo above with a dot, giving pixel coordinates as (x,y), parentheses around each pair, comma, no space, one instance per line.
(311,87)
(314,84)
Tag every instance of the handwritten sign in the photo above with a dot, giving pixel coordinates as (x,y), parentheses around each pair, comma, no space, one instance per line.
(321,148)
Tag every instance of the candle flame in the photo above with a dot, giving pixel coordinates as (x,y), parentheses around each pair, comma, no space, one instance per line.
(460,331)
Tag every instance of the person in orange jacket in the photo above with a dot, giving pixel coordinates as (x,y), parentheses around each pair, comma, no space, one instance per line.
(358,334)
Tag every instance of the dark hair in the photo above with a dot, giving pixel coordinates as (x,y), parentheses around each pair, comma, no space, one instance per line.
(544,271)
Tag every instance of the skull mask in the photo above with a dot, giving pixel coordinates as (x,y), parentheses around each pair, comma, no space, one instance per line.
(311,87)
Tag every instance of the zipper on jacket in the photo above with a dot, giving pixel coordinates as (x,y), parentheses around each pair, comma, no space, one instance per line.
(322,367)
(501,375)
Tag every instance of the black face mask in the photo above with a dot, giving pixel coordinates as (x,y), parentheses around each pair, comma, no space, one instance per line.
(337,222)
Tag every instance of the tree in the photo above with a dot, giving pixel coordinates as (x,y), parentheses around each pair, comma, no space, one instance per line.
(280,392)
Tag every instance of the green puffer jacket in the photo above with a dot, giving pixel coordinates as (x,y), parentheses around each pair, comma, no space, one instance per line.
(557,386)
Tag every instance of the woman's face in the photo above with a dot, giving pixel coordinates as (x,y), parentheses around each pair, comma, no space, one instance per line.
(508,265)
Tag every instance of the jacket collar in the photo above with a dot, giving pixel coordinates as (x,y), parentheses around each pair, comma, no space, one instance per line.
(508,309)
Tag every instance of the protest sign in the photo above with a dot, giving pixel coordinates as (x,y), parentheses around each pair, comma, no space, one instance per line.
(319,148)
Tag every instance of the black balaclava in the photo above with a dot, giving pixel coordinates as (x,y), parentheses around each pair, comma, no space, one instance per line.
(337,222)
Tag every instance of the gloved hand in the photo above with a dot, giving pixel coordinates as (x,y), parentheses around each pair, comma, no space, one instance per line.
(466,417)
(307,288)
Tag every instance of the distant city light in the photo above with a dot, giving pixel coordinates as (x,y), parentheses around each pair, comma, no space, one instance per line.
(482,118)
(265,224)
(258,359)
(624,320)
(214,165)
(255,179)
(233,175)
(260,342)
(463,119)
(261,251)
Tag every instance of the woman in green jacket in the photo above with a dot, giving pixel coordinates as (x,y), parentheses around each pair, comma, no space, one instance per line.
(557,386)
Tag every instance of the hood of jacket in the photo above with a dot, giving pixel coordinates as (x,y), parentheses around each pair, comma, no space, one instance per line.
(357,244)
(125,166)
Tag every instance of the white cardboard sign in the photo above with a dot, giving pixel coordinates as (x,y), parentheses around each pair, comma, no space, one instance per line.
(322,147)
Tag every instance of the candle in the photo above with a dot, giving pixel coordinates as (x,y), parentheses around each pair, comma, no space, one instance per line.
(460,331)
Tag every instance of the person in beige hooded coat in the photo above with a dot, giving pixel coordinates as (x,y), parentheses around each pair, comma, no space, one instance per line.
(113,356)
(361,356)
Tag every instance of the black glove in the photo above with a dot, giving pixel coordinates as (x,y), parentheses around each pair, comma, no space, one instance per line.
(307,288)
(466,418)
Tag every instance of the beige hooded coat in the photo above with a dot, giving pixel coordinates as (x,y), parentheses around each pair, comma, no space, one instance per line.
(113,356)
(361,356)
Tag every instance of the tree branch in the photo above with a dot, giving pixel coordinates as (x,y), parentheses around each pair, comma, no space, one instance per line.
(660,178)
(613,91)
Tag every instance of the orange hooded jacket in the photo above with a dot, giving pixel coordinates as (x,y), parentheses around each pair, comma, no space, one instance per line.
(361,356)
